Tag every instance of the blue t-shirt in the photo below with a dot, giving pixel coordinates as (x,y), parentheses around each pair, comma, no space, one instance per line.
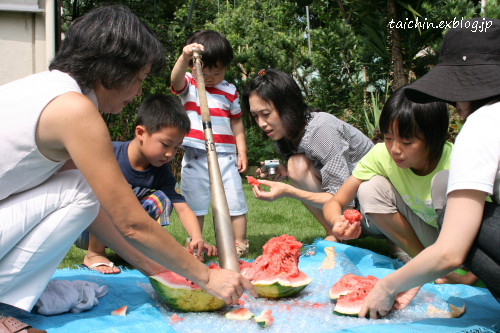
(147,181)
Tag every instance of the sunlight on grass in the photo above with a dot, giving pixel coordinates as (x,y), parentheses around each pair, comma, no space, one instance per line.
(265,220)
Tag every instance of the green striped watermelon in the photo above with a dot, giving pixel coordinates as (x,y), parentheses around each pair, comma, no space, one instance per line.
(183,295)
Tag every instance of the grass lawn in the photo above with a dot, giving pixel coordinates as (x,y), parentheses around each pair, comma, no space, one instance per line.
(265,220)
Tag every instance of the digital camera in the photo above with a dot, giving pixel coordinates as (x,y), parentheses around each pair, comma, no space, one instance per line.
(271,165)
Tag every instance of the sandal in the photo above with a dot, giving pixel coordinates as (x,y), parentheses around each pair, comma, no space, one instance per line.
(12,325)
(242,248)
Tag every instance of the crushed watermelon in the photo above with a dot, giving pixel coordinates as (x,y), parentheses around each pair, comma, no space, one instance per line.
(351,282)
(276,273)
(280,257)
(353,215)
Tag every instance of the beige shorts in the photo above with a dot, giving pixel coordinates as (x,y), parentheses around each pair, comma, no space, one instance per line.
(378,196)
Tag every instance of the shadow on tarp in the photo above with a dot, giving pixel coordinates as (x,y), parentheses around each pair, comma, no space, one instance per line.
(310,311)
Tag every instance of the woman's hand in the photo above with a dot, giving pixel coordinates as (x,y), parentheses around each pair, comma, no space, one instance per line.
(276,190)
(344,230)
(228,285)
(281,172)
(380,301)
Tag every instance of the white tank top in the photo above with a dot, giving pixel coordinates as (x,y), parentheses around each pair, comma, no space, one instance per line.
(22,166)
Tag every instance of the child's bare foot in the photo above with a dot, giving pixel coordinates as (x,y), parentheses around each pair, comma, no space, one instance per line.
(99,262)
(455,278)
(331,238)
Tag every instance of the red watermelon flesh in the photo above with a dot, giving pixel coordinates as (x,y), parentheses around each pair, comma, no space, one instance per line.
(353,215)
(350,304)
(276,272)
(351,282)
(253,181)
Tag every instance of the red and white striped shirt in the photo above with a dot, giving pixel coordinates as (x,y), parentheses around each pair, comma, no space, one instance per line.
(224,104)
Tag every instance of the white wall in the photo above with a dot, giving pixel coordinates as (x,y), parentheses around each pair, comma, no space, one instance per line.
(22,39)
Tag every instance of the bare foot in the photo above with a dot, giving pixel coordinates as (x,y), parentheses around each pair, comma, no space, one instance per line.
(99,262)
(331,238)
(455,278)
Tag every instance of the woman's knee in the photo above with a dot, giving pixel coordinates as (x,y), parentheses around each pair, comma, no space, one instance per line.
(298,165)
(303,174)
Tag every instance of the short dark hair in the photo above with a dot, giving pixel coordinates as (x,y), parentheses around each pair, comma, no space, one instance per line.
(280,88)
(217,48)
(427,121)
(159,111)
(109,46)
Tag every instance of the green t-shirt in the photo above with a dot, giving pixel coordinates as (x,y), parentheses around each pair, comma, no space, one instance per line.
(415,190)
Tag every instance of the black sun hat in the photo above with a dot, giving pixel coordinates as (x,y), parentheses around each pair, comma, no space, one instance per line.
(469,65)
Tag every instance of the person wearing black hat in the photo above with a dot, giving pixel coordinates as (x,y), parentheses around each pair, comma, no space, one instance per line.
(467,76)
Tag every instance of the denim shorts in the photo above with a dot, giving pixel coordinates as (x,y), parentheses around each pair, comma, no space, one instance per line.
(195,182)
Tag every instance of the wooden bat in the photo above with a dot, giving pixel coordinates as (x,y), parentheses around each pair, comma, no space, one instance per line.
(224,233)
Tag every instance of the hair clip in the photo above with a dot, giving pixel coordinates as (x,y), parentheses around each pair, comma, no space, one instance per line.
(262,72)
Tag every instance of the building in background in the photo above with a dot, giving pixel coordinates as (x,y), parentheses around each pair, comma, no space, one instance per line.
(29,35)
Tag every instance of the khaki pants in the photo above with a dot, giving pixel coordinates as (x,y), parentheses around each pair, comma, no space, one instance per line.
(378,196)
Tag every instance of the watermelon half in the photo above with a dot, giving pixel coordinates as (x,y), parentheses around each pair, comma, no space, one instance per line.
(276,274)
(351,282)
(350,292)
(181,294)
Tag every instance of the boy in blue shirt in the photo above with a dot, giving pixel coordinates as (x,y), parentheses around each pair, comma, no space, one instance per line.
(160,128)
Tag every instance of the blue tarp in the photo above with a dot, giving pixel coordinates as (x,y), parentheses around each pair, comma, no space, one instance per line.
(310,311)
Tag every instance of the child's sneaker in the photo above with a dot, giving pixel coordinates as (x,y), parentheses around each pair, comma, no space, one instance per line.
(242,248)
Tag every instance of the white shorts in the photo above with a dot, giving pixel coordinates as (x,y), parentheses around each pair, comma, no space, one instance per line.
(195,182)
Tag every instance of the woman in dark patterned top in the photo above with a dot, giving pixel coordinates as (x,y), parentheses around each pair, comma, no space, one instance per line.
(321,150)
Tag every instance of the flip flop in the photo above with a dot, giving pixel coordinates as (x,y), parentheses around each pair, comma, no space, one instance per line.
(97,264)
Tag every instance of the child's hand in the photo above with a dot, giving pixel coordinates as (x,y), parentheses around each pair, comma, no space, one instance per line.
(343,229)
(242,163)
(198,247)
(281,172)
(188,50)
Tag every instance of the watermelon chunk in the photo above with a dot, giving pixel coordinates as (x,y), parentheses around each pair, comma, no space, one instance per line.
(241,314)
(253,181)
(352,215)
(265,318)
(351,282)
(120,312)
(276,273)
(350,304)
(183,295)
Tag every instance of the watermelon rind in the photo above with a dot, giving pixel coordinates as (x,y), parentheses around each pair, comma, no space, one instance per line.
(351,304)
(265,318)
(278,288)
(185,299)
(241,314)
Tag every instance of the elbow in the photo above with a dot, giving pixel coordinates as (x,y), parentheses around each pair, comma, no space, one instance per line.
(130,230)
(451,258)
